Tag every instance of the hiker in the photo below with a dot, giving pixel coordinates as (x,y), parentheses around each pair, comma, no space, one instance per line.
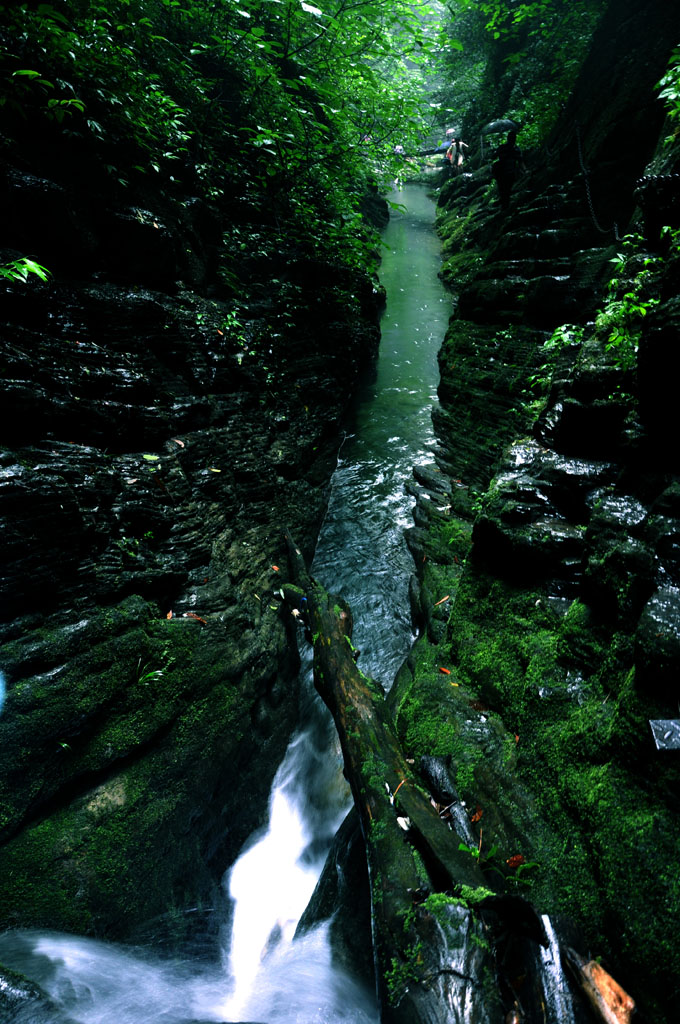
(456,153)
(508,158)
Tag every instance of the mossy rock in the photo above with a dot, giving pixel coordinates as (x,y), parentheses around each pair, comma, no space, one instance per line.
(148,727)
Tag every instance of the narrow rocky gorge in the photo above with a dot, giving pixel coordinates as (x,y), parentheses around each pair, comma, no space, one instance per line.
(150,459)
(175,396)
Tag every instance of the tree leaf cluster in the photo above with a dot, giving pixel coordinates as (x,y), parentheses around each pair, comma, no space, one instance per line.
(279,105)
(518,60)
(669,87)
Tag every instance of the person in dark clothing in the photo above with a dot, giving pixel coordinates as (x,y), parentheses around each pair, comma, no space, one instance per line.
(507,161)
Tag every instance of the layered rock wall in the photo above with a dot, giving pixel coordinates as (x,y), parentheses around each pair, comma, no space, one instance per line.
(154,444)
(548,584)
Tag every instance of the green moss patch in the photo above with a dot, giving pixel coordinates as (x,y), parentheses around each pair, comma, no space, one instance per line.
(575,784)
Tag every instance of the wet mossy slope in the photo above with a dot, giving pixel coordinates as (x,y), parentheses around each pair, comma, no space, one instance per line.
(548,591)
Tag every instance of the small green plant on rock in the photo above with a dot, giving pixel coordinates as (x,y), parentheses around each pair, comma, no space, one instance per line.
(564,336)
(670,94)
(628,302)
(401,974)
(488,861)
(129,546)
(19,270)
(146,674)
(470,896)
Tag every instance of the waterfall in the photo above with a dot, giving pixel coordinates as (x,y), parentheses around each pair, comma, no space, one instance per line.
(558,998)
(273,880)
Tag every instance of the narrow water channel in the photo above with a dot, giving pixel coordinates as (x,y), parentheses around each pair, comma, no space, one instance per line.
(260,973)
(362,556)
(361,552)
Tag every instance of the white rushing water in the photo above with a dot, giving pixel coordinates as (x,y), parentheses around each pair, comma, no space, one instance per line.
(260,974)
(273,880)
(558,999)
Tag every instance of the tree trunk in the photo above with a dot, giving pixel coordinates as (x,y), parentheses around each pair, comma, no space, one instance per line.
(429,947)
(439,934)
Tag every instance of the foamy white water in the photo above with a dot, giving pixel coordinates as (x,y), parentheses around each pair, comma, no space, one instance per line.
(557,994)
(273,880)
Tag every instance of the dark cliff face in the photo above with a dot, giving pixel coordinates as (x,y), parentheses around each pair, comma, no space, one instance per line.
(612,120)
(154,444)
(552,530)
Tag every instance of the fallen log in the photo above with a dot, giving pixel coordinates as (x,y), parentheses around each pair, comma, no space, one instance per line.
(610,1002)
(430,951)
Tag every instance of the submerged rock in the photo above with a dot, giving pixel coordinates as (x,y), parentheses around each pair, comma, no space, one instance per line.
(24,1002)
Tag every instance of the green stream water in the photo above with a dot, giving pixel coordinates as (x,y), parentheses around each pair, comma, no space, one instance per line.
(362,554)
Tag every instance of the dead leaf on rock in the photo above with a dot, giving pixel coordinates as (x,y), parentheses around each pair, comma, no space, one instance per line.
(192,615)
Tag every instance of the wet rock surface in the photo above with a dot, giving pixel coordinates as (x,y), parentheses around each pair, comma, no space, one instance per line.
(545,543)
(342,893)
(23,1002)
(658,640)
(154,445)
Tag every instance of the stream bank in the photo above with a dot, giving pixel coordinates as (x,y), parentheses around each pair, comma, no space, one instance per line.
(545,543)
(153,445)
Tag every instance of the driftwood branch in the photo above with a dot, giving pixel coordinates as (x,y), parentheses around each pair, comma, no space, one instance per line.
(606,997)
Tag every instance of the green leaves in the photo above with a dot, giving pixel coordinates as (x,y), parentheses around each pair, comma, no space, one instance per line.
(669,87)
(522,57)
(19,270)
(293,105)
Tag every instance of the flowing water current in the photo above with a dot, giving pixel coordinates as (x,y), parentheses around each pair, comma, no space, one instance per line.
(259,973)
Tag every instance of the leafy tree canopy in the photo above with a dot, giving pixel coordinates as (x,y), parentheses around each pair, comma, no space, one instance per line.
(519,60)
(280,104)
